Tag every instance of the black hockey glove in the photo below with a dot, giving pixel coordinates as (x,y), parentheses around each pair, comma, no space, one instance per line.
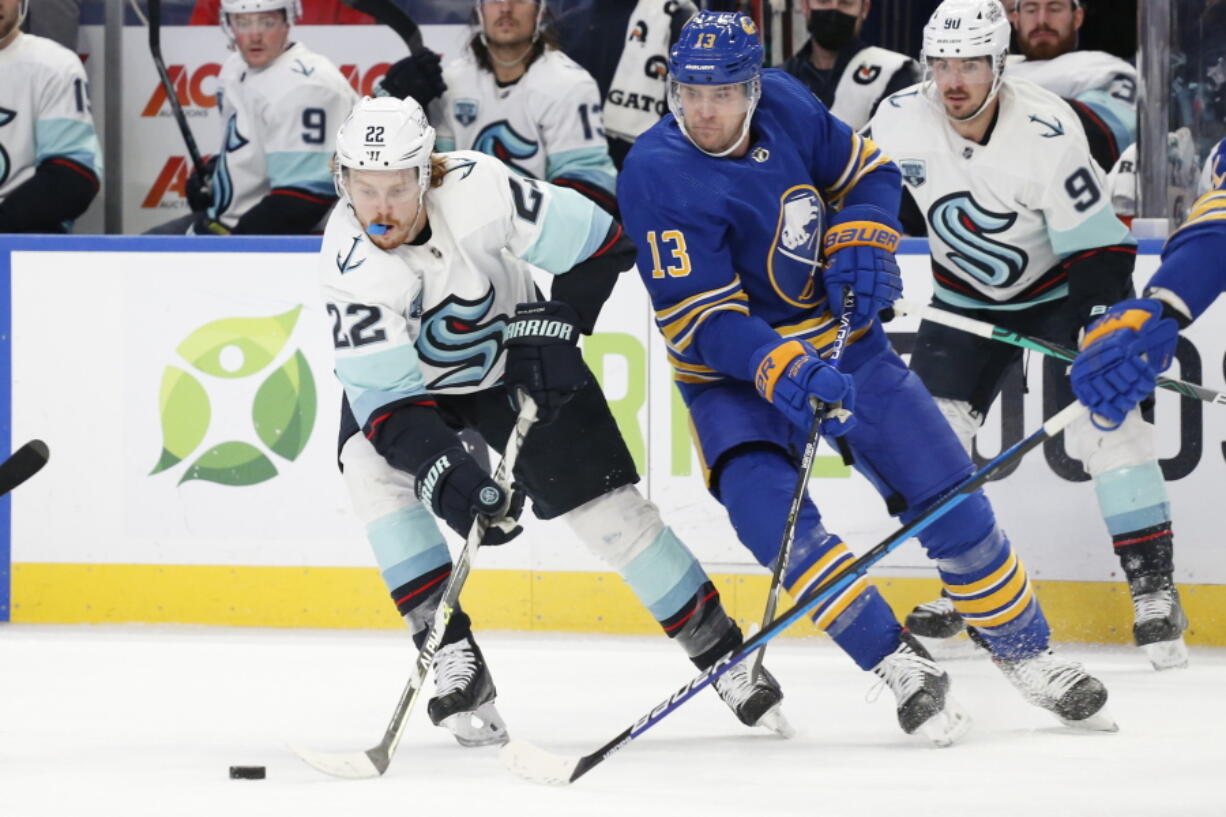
(543,356)
(199,191)
(419,76)
(457,489)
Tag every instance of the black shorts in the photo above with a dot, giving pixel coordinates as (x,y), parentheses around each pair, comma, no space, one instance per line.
(579,456)
(957,365)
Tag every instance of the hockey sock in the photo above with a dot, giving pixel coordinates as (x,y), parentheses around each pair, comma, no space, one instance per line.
(1134,505)
(989,588)
(858,618)
(625,530)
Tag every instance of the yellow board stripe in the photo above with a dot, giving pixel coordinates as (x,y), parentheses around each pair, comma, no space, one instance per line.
(349,597)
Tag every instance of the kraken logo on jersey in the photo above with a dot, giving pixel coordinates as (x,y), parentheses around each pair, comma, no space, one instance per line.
(453,337)
(466,111)
(223,185)
(500,140)
(6,116)
(795,252)
(964,225)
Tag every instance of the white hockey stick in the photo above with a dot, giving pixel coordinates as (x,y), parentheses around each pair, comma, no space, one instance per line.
(374,762)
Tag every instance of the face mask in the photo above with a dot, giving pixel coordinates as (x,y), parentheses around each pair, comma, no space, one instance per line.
(831,28)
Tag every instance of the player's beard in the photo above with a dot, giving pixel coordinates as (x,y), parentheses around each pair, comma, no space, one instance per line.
(1049,47)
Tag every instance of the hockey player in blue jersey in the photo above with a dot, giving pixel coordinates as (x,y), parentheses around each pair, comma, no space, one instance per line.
(1126,349)
(735,200)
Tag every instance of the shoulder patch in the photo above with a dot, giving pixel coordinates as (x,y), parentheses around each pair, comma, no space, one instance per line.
(1051,129)
(914,171)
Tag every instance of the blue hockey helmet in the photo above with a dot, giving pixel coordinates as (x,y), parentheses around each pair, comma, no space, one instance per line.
(716,66)
(717,48)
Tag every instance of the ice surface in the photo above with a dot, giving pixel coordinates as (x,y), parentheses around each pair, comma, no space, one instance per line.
(132,721)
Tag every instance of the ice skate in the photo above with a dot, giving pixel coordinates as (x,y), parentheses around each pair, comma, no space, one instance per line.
(463,701)
(922,691)
(755,702)
(1159,621)
(935,619)
(1063,687)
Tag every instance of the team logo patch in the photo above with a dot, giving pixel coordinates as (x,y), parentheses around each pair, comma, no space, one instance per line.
(461,338)
(795,253)
(466,111)
(867,74)
(914,171)
(966,228)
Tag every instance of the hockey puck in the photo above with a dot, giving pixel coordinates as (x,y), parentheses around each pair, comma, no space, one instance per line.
(247,772)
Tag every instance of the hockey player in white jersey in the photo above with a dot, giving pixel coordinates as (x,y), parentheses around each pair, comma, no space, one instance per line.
(50,159)
(1031,245)
(1101,88)
(849,76)
(280,105)
(427,273)
(514,95)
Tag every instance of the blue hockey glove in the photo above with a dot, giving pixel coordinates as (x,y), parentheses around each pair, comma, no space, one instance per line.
(543,356)
(1122,355)
(789,373)
(859,249)
(456,489)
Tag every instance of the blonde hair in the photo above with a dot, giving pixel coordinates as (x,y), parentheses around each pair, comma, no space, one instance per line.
(438,169)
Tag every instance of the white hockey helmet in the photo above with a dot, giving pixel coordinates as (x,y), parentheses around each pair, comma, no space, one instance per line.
(960,29)
(385,133)
(292,9)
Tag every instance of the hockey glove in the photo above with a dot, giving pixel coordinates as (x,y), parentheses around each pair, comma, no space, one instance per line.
(1122,354)
(859,249)
(543,356)
(199,192)
(789,374)
(457,489)
(419,76)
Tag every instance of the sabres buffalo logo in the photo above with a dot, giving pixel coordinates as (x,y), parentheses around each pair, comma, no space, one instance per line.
(795,253)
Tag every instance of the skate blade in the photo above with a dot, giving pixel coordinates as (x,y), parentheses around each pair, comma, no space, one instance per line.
(774,720)
(1167,654)
(1100,721)
(481,727)
(947,726)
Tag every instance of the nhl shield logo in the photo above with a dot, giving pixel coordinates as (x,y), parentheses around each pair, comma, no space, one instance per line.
(466,111)
(914,171)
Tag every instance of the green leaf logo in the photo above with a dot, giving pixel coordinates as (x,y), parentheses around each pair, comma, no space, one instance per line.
(185,416)
(232,463)
(283,413)
(238,347)
(284,410)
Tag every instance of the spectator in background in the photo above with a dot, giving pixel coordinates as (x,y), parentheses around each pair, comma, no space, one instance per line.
(630,72)
(313,13)
(281,105)
(1101,88)
(516,96)
(848,76)
(50,159)
(57,20)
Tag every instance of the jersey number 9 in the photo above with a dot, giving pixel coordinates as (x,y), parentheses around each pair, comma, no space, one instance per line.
(315,120)
(1082,189)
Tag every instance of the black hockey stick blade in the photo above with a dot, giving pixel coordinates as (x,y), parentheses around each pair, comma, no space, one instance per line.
(25,463)
(392,16)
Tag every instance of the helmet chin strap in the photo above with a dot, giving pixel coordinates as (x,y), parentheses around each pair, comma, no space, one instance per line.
(735,143)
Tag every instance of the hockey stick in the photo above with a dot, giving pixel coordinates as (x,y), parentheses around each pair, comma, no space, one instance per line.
(541,766)
(986,330)
(24,463)
(392,16)
(802,479)
(172,96)
(374,762)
